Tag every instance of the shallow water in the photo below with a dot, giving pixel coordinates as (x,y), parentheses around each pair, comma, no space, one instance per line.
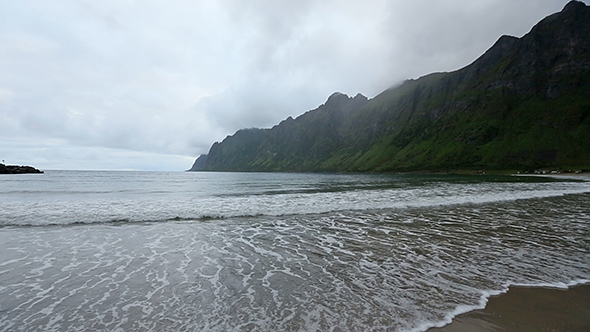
(154,251)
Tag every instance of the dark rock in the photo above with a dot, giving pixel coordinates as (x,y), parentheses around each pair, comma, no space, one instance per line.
(14,169)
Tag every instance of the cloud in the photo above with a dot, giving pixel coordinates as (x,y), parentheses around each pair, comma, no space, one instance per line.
(6,96)
(159,82)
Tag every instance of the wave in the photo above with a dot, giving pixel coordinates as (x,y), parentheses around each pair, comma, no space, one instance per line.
(288,205)
(124,221)
(372,212)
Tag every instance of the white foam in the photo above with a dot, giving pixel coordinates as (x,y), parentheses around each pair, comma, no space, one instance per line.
(107,207)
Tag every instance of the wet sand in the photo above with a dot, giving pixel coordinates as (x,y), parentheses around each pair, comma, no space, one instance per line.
(524,309)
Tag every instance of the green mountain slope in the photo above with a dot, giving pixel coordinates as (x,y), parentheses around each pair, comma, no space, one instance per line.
(523,104)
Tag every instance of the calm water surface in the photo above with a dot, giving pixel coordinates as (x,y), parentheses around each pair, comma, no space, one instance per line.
(157,251)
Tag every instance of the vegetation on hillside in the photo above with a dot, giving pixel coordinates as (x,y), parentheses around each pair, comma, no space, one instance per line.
(524,104)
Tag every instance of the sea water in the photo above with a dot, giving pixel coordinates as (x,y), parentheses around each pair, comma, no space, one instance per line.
(177,251)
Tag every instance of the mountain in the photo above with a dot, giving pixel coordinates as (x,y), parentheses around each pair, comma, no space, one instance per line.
(525,103)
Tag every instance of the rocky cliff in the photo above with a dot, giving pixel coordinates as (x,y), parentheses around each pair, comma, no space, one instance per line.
(525,103)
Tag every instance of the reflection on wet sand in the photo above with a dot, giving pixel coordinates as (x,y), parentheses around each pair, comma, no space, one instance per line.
(525,309)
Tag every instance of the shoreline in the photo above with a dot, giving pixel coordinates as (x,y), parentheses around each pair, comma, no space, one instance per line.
(579,176)
(554,172)
(528,309)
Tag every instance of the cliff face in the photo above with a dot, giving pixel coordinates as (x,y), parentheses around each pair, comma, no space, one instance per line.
(525,103)
(293,145)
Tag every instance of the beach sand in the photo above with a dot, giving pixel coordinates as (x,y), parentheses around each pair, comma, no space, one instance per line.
(526,309)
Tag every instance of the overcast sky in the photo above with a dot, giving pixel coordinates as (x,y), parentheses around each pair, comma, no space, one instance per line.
(150,85)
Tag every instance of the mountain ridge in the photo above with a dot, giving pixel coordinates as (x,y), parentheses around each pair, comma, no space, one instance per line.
(524,103)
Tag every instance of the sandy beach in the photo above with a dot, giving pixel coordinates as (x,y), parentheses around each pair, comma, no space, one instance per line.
(524,309)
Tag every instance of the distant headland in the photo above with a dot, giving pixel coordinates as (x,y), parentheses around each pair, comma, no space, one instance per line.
(15,169)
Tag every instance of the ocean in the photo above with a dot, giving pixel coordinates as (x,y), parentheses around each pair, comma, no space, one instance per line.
(184,251)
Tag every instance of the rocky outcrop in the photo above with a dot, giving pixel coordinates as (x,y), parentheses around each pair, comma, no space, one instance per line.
(14,169)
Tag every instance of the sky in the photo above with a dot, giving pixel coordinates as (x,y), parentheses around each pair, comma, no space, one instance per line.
(150,85)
